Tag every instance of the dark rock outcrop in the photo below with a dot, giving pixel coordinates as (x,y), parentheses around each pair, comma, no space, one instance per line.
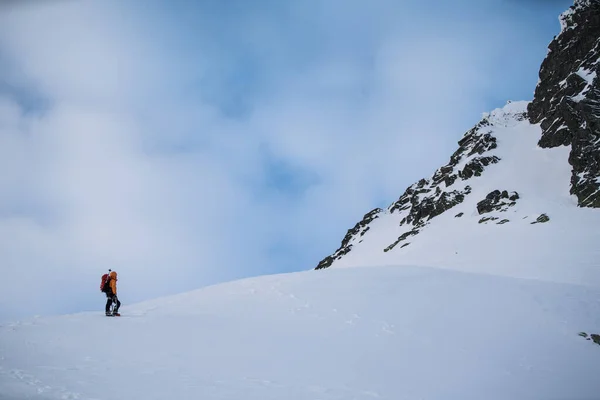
(567,97)
(541,219)
(476,166)
(593,337)
(486,219)
(402,237)
(432,206)
(359,229)
(497,201)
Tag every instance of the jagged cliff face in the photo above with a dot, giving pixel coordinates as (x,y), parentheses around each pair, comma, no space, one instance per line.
(567,98)
(518,196)
(447,188)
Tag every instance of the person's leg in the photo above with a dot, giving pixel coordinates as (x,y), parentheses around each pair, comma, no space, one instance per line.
(109,301)
(116,299)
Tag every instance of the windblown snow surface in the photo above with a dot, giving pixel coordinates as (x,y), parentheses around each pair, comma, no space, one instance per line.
(343,333)
(564,249)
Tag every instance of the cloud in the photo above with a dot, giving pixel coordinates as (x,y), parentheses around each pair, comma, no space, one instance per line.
(202,143)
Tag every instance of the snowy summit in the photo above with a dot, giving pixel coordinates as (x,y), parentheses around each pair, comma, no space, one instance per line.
(520,196)
(501,205)
(481,281)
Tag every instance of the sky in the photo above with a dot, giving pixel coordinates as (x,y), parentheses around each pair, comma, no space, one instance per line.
(188,143)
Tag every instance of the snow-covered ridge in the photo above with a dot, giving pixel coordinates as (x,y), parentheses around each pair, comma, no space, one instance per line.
(501,205)
(515,186)
(446,188)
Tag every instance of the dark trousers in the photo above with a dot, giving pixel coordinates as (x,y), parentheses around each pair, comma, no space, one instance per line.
(112,298)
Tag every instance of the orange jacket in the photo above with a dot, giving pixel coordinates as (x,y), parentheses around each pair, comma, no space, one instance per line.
(113,282)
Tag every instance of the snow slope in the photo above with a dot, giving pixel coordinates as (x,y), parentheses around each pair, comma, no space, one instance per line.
(341,333)
(564,249)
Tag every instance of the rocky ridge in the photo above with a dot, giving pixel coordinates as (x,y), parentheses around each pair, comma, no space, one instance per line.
(447,187)
(566,105)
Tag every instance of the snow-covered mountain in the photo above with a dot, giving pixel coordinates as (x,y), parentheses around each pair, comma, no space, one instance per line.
(520,196)
(458,320)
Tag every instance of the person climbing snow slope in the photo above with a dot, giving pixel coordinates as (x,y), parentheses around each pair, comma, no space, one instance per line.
(110,289)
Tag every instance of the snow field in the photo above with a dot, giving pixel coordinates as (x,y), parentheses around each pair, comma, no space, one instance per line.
(345,333)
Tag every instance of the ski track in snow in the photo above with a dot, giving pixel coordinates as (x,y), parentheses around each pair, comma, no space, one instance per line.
(347,333)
